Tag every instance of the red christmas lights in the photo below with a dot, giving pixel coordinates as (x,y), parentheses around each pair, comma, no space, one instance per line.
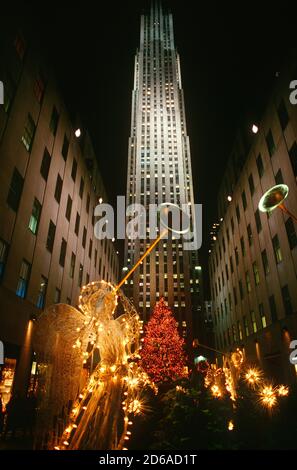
(162,356)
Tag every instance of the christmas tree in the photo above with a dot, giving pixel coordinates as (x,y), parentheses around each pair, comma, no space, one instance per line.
(162,356)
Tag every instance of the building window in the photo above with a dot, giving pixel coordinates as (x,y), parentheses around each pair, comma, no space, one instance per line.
(57,297)
(15,190)
(248,282)
(258,221)
(231,265)
(283,115)
(81,187)
(262,316)
(244,201)
(68,208)
(42,293)
(77,222)
(254,323)
(287,300)
(65,147)
(242,246)
(80,275)
(246,326)
(45,164)
(273,310)
(58,190)
(74,169)
(54,121)
(291,233)
(256,274)
(35,216)
(63,253)
(68,301)
(265,262)
(293,158)
(237,214)
(84,237)
(72,265)
(260,165)
(279,177)
(51,236)
(90,248)
(251,184)
(39,87)
(241,290)
(277,249)
(88,278)
(28,134)
(270,143)
(250,235)
(232,225)
(239,330)
(23,282)
(88,203)
(3,257)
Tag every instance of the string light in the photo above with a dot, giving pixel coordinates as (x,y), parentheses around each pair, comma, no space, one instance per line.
(235,368)
(283,391)
(268,397)
(119,350)
(253,376)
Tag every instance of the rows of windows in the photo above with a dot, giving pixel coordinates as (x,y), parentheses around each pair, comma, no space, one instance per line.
(292,240)
(252,323)
(25,270)
(15,192)
(283,118)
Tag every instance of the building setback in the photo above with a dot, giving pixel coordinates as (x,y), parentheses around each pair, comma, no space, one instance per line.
(50,184)
(253,261)
(159,171)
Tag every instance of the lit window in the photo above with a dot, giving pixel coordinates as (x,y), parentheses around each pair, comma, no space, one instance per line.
(256,273)
(23,279)
(262,316)
(42,293)
(28,134)
(35,216)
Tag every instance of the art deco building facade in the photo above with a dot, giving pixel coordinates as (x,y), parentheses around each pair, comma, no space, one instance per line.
(159,171)
(253,261)
(49,187)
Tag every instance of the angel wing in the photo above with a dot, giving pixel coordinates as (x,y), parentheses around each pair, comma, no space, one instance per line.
(60,371)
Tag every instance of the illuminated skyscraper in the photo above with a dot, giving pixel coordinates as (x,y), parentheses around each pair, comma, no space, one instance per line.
(159,171)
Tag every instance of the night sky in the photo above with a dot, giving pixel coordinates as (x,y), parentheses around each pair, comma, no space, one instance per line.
(229,56)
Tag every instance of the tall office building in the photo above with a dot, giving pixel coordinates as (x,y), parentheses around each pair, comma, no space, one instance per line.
(159,171)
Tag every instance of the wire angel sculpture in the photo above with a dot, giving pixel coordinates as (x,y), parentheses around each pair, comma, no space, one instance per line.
(89,381)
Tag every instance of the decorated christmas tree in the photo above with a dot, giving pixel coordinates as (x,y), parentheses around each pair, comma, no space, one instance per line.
(162,356)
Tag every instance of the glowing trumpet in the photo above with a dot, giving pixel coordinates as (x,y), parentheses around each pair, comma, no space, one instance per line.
(274,198)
